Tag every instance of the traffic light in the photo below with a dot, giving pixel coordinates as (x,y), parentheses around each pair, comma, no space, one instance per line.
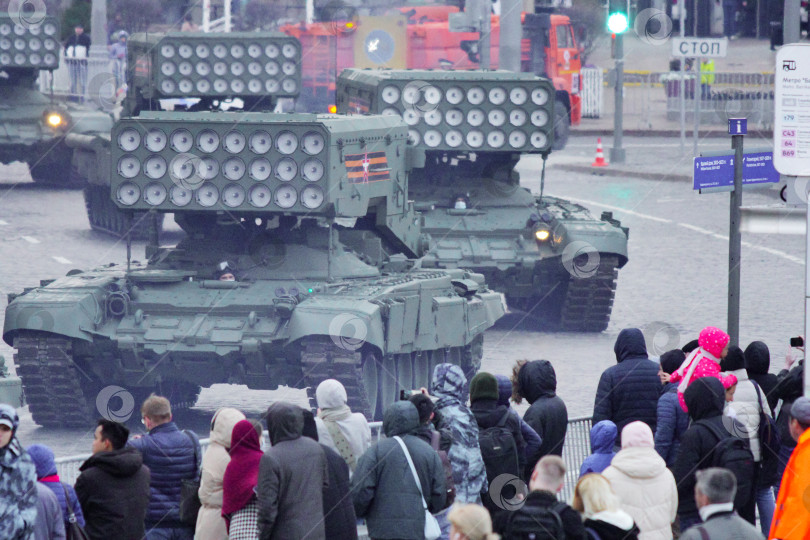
(618,21)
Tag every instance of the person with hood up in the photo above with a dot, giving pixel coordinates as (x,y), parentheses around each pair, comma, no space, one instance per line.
(644,485)
(745,407)
(705,399)
(601,511)
(18,478)
(384,491)
(339,428)
(338,511)
(210,525)
(239,507)
(629,390)
(671,420)
(45,463)
(537,382)
(702,362)
(113,486)
(292,475)
(758,364)
(603,437)
(469,473)
(533,440)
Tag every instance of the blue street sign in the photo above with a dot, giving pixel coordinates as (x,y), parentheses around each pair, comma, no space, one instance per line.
(737,126)
(718,171)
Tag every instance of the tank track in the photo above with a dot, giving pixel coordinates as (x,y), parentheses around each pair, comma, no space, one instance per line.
(51,381)
(105,217)
(589,301)
(322,359)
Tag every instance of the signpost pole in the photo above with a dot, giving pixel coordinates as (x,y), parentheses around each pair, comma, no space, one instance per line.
(698,97)
(681,13)
(617,154)
(735,238)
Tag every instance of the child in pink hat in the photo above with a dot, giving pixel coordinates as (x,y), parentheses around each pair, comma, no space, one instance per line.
(703,361)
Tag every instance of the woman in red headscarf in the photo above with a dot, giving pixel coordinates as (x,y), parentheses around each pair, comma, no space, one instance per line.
(239,507)
(703,362)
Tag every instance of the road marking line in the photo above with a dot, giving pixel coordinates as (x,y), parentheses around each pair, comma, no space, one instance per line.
(30,239)
(620,209)
(771,251)
(61,260)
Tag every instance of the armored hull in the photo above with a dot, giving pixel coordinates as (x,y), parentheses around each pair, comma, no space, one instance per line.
(172,330)
(33,127)
(566,282)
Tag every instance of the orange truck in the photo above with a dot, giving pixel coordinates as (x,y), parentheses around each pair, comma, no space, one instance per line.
(420,38)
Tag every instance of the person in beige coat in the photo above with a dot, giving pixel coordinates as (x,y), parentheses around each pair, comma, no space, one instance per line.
(639,476)
(210,525)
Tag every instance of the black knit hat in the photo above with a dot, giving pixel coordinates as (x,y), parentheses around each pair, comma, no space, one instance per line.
(672,360)
(424,405)
(483,386)
(734,360)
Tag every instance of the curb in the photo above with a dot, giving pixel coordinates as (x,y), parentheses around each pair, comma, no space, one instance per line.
(624,173)
(764,134)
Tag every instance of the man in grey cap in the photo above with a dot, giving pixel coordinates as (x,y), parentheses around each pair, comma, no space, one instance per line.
(18,479)
(790,520)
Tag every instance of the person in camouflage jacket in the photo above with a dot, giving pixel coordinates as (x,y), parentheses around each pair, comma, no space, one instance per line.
(469,473)
(18,479)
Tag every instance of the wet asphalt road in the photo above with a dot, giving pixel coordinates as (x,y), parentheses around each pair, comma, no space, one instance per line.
(674,284)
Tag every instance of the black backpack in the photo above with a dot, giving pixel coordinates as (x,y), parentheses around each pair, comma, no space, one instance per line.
(536,523)
(734,454)
(499,450)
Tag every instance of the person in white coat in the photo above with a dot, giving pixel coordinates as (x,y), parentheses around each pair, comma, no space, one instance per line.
(210,525)
(339,428)
(745,407)
(646,488)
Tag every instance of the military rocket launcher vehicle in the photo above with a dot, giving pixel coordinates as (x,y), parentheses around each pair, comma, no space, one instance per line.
(550,257)
(189,72)
(305,211)
(34,126)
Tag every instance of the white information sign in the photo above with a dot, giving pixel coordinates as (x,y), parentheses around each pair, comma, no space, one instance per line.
(699,47)
(791,131)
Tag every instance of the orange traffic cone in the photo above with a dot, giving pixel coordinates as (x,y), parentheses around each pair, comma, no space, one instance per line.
(600,156)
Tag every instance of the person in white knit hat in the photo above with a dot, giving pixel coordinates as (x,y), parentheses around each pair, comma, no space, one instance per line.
(339,428)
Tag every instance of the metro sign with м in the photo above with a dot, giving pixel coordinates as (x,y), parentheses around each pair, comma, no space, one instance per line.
(700,47)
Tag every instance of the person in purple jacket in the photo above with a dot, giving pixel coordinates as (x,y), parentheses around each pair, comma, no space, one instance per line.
(603,435)
(533,440)
(44,461)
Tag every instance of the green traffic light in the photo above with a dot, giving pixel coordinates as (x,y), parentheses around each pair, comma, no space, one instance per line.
(617,23)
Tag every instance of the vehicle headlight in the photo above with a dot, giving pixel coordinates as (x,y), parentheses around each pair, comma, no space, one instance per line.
(542,233)
(58,120)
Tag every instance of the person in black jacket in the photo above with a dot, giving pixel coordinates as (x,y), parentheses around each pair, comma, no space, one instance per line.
(705,398)
(338,512)
(547,480)
(488,414)
(383,487)
(629,391)
(789,388)
(671,421)
(547,415)
(113,487)
(757,364)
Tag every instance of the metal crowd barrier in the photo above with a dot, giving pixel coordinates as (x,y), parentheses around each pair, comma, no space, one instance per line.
(577,448)
(592,91)
(87,80)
